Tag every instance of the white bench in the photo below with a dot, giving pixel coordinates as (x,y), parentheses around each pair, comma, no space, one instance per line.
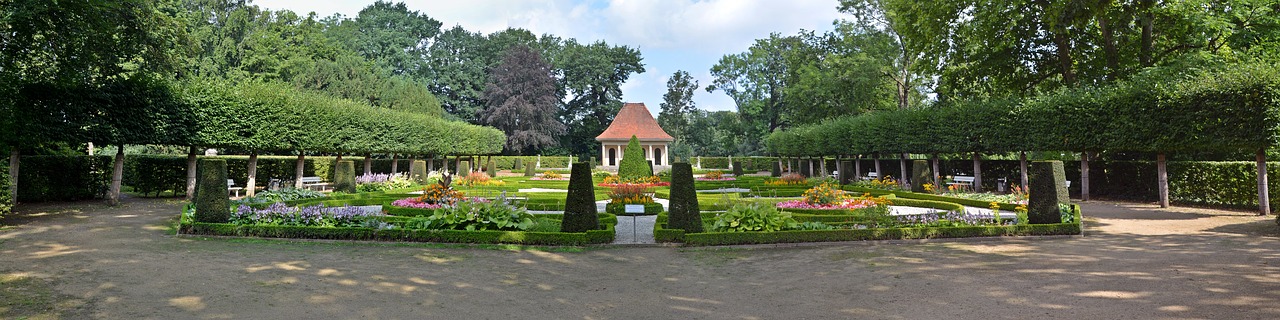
(309,182)
(961,181)
(231,187)
(871,176)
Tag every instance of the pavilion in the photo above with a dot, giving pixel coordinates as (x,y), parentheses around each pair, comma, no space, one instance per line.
(634,119)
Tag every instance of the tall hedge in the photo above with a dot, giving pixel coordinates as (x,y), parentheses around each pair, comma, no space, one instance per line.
(344,177)
(633,164)
(418,172)
(6,204)
(63,178)
(580,203)
(1047,180)
(920,175)
(211,192)
(683,210)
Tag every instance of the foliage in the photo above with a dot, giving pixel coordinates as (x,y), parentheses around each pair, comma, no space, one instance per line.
(317,216)
(211,192)
(1047,184)
(677,104)
(753,217)
(440,195)
(633,163)
(522,99)
(883,183)
(788,179)
(920,175)
(282,195)
(549,175)
(382,182)
(528,170)
(684,210)
(713,175)
(480,179)
(64,178)
(825,194)
(344,177)
(580,202)
(6,204)
(471,215)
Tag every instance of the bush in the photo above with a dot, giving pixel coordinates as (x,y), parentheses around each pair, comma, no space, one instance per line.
(211,192)
(684,211)
(471,215)
(64,178)
(737,168)
(580,203)
(6,204)
(920,175)
(633,164)
(344,177)
(418,172)
(516,164)
(153,174)
(752,217)
(1048,190)
(777,170)
(528,170)
(282,195)
(464,168)
(491,168)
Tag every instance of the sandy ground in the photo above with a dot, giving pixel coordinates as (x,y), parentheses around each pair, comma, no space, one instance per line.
(84,260)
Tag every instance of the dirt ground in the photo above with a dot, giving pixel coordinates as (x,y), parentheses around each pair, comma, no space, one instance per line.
(85,260)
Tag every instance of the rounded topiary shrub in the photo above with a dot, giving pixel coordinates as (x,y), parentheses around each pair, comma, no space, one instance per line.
(683,212)
(1047,185)
(580,204)
(528,170)
(344,177)
(920,175)
(211,192)
(418,172)
(633,164)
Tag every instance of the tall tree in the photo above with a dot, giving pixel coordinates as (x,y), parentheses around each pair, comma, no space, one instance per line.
(522,101)
(593,75)
(392,35)
(677,104)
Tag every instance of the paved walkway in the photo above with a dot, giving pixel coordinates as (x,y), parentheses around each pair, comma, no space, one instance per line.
(87,261)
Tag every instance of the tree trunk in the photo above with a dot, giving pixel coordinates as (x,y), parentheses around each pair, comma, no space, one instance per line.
(977,172)
(1163,179)
(14,160)
(302,164)
(368,164)
(191,173)
(937,173)
(457,161)
(857,167)
(117,176)
(1022,162)
(1084,176)
(879,174)
(1146,20)
(902,171)
(338,158)
(1109,46)
(1264,196)
(251,185)
(395,163)
(822,163)
(1064,57)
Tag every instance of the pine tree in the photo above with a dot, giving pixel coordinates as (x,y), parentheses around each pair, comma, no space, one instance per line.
(633,163)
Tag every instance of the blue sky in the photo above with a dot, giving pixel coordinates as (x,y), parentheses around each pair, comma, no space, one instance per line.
(670,34)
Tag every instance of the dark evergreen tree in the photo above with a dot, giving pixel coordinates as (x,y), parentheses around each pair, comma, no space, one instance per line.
(683,211)
(633,164)
(580,204)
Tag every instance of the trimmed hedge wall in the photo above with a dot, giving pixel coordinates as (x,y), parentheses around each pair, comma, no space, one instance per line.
(64,178)
(619,209)
(445,236)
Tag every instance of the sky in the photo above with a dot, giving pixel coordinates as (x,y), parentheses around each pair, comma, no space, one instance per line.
(689,35)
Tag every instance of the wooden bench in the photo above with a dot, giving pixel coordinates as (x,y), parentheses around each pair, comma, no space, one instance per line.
(231,187)
(316,182)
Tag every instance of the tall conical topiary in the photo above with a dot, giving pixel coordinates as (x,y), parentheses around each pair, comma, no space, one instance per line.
(418,172)
(464,169)
(920,175)
(737,169)
(344,177)
(517,165)
(633,163)
(211,192)
(580,204)
(491,168)
(1047,184)
(777,170)
(683,211)
(528,170)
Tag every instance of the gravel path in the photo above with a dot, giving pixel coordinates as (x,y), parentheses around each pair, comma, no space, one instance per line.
(83,260)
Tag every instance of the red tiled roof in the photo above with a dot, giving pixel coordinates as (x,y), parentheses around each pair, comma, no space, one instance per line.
(634,119)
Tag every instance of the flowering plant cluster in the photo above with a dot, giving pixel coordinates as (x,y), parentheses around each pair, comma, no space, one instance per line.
(550,175)
(825,194)
(630,194)
(314,216)
(438,194)
(716,176)
(650,181)
(417,203)
(884,183)
(788,179)
(382,182)
(845,203)
(480,179)
(948,219)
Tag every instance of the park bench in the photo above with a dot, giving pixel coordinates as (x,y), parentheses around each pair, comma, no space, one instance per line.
(871,176)
(961,181)
(314,182)
(231,187)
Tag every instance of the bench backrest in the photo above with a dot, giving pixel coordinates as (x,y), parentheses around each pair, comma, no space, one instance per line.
(873,174)
(231,182)
(311,179)
(962,179)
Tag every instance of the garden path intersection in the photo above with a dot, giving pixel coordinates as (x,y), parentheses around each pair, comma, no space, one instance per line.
(1135,261)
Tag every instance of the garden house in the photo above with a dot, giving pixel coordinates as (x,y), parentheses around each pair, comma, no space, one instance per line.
(634,119)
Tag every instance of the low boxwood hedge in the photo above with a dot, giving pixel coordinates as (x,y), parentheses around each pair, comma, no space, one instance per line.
(605,235)
(618,209)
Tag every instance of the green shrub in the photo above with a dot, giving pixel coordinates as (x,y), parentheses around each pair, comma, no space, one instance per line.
(737,168)
(633,164)
(418,172)
(920,175)
(1048,189)
(211,192)
(684,210)
(752,217)
(580,203)
(464,168)
(282,195)
(777,170)
(517,164)
(470,215)
(153,174)
(620,209)
(491,168)
(6,204)
(528,170)
(63,178)
(344,177)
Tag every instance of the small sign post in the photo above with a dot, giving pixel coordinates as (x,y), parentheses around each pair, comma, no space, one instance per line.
(634,210)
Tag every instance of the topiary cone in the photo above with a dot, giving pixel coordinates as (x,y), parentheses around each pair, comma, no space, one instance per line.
(491,168)
(633,164)
(580,204)
(528,170)
(344,177)
(418,172)
(920,175)
(683,212)
(212,205)
(1047,185)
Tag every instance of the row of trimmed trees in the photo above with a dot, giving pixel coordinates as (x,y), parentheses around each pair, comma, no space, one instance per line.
(252,117)
(1221,108)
